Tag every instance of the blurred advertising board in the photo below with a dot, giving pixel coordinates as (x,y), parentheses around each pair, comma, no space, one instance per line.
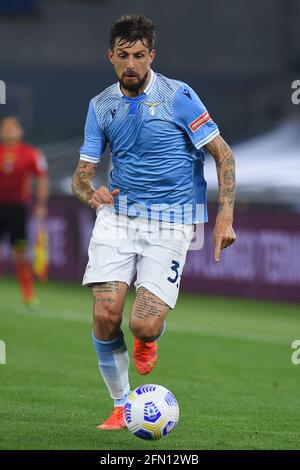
(263,263)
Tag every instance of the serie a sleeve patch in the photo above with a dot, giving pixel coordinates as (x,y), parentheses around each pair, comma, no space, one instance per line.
(199,121)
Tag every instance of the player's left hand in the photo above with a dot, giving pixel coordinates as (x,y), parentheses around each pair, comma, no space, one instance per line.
(40,212)
(224,235)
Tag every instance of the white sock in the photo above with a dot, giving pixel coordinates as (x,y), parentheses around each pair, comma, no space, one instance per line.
(113,364)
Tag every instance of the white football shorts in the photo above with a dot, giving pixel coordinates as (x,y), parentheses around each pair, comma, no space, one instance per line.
(122,247)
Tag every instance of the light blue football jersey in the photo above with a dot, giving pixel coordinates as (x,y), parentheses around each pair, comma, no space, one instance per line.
(156,142)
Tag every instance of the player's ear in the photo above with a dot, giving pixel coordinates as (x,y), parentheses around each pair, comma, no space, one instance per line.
(152,55)
(110,55)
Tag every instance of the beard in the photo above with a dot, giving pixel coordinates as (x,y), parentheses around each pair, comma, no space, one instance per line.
(137,85)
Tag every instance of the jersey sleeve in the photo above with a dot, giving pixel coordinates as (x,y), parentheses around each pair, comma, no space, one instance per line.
(38,163)
(94,138)
(191,115)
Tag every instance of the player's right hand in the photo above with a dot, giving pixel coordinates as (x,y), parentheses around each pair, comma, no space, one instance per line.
(223,236)
(103,196)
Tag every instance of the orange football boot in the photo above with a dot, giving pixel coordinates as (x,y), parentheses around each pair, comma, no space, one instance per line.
(145,356)
(115,421)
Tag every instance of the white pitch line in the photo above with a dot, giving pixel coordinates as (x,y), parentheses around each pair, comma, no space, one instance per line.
(77,316)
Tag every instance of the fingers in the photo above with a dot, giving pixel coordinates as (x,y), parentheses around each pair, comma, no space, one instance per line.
(222,241)
(218,247)
(103,196)
(229,238)
(232,237)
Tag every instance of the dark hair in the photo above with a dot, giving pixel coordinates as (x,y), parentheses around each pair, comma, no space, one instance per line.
(8,116)
(132,28)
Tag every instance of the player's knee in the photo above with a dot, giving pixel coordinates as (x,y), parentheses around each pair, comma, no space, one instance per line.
(106,316)
(145,331)
(19,254)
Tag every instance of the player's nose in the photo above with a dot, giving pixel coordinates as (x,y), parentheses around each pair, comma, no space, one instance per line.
(130,63)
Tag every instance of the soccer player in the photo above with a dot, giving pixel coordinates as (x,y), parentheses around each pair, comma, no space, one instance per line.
(18,163)
(156,128)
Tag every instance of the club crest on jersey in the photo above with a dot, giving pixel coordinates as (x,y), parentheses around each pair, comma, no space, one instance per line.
(8,163)
(152,106)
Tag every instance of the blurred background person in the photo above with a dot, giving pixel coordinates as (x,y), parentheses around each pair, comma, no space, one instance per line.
(18,163)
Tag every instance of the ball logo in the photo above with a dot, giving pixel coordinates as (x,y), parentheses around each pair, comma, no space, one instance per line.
(151,412)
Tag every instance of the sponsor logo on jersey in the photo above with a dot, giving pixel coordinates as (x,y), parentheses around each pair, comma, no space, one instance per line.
(187,93)
(200,121)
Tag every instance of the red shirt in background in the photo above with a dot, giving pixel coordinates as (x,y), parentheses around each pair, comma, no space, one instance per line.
(17,164)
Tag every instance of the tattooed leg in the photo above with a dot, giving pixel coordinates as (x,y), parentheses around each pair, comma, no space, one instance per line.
(109,299)
(108,339)
(147,315)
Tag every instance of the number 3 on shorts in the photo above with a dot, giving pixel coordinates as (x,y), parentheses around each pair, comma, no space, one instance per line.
(174,267)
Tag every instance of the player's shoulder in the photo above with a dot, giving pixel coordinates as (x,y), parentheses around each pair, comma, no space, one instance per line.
(106,97)
(166,84)
(28,149)
(33,155)
(173,88)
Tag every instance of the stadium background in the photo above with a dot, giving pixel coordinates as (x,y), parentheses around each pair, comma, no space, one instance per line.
(242,58)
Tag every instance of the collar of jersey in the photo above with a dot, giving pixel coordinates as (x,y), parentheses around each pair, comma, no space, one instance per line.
(147,90)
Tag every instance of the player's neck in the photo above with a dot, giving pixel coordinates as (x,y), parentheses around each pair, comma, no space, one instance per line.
(10,143)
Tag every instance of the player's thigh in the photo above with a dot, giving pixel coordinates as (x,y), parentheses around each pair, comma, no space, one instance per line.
(160,267)
(18,230)
(13,222)
(110,296)
(112,256)
(148,313)
(109,299)
(3,220)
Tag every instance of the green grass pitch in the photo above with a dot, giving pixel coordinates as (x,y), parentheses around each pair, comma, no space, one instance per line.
(227,361)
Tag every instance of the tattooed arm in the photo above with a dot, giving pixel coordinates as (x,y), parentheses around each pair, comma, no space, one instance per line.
(82,187)
(224,234)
